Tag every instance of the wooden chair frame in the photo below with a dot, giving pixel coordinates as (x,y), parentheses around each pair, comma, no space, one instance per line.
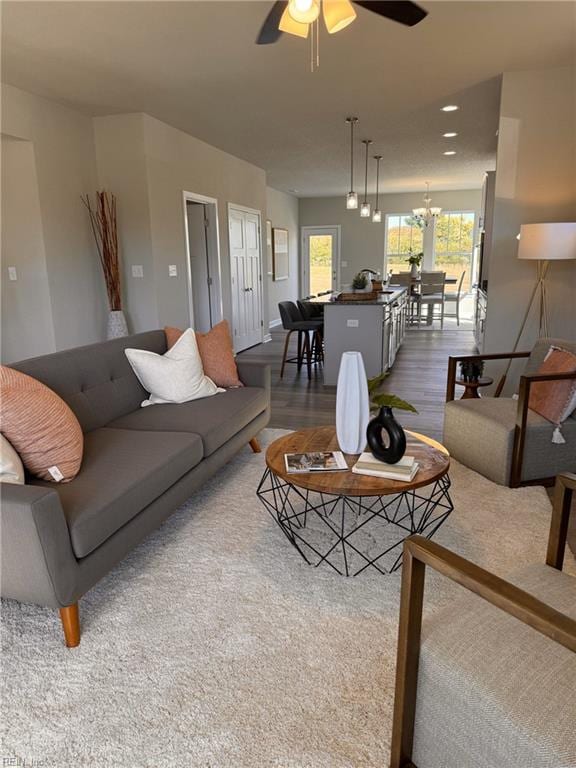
(526,381)
(419,553)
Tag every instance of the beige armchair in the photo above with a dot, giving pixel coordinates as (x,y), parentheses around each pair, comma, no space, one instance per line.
(500,437)
(489,681)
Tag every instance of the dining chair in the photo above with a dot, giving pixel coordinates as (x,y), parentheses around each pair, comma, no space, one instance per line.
(292,321)
(432,288)
(456,297)
(405,280)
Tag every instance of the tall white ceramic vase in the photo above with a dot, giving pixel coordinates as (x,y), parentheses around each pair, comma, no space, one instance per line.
(352,404)
(116,326)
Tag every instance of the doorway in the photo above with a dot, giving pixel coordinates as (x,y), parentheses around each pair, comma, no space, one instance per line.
(203,261)
(320,259)
(246,276)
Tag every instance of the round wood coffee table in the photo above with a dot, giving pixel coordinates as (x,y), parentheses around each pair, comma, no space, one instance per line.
(354,522)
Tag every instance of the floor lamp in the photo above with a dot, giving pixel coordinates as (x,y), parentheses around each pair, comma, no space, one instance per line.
(542,243)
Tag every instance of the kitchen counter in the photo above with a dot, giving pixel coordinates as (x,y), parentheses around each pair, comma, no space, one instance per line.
(384,298)
(375,328)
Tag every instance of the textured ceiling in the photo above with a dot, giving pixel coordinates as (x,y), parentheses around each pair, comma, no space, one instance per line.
(195,66)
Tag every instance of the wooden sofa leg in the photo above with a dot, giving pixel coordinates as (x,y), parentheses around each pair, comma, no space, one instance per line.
(255,445)
(70,618)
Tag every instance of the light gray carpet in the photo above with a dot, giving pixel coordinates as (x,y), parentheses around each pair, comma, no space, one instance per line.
(215,645)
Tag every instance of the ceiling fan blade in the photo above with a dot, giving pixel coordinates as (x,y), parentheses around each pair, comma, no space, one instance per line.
(269,32)
(402,11)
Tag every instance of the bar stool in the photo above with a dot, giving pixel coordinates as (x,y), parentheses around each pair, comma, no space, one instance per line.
(292,321)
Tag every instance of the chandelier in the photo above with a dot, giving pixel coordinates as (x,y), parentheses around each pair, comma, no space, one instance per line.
(426,214)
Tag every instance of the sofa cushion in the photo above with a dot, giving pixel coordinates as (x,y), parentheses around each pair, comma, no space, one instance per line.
(122,472)
(480,434)
(96,381)
(215,419)
(493,692)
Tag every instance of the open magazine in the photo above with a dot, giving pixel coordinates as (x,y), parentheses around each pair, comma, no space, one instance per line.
(317,461)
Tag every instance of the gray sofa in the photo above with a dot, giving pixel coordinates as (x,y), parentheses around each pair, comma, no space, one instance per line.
(139,465)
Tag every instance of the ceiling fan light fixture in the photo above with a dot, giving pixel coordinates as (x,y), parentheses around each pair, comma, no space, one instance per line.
(304,11)
(292,27)
(337,14)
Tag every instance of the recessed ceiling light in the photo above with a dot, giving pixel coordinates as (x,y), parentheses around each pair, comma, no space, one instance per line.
(449,135)
(450,152)
(450,108)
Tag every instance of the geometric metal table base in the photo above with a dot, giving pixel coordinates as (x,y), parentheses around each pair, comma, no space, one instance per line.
(353,533)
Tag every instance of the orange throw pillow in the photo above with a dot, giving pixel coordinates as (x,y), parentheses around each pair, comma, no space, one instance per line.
(216,351)
(555,400)
(41,427)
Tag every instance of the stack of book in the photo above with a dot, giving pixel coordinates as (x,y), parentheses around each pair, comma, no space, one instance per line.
(404,470)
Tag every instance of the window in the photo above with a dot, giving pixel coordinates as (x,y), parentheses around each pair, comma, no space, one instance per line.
(454,244)
(403,234)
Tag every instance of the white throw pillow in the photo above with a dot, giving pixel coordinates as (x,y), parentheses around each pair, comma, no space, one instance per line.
(11,467)
(177,376)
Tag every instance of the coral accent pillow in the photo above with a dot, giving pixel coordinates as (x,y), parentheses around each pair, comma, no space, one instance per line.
(216,351)
(40,426)
(555,400)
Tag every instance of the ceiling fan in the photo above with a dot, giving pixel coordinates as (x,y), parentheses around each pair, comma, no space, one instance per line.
(296,16)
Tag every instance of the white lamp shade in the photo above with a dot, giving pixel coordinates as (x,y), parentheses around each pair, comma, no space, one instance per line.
(548,242)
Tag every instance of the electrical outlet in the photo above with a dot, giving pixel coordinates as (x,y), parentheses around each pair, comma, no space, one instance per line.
(12,274)
(352,323)
(137,270)
(172,270)
(344,264)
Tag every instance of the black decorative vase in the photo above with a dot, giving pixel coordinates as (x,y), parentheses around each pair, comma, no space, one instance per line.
(386,422)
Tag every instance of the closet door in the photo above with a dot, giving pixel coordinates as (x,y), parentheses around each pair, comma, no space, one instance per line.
(246,270)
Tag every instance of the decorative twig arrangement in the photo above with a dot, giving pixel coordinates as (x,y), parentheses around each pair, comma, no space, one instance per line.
(103,222)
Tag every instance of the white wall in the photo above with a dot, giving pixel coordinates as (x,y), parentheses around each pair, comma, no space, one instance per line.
(535,182)
(122,170)
(64,157)
(148,165)
(27,328)
(282,210)
(362,243)
(176,161)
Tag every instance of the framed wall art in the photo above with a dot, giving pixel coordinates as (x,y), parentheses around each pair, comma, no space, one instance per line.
(280,262)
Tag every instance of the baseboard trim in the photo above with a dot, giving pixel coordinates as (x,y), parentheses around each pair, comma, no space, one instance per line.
(274,323)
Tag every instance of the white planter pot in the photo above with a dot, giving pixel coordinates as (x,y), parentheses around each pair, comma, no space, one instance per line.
(414,270)
(117,326)
(352,405)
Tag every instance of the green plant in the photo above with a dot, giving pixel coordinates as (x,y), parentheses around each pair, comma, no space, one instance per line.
(360,281)
(385,399)
(471,370)
(415,258)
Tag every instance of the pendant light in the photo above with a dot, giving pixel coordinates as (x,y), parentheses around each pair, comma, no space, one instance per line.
(365,207)
(352,197)
(377,214)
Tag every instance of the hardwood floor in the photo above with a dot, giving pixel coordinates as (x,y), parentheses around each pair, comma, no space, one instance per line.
(418,375)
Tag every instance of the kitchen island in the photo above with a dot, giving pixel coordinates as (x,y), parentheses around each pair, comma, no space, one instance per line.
(374,327)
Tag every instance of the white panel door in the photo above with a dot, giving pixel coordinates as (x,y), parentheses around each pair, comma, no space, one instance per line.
(245,265)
